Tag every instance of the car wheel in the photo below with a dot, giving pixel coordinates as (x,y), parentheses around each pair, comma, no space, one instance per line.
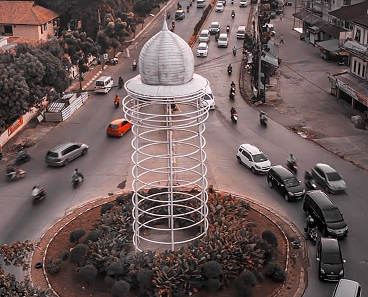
(287,199)
(327,189)
(270,183)
(253,170)
(239,160)
(66,162)
(325,232)
(84,151)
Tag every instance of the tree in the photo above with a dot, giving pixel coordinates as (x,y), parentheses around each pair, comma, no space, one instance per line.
(87,274)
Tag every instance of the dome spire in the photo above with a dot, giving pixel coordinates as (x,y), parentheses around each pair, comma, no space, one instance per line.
(164,26)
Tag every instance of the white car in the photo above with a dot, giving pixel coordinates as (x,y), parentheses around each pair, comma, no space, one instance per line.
(204,36)
(202,50)
(243,3)
(223,40)
(253,158)
(219,7)
(208,99)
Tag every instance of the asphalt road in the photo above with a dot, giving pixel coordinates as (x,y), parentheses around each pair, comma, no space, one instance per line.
(108,163)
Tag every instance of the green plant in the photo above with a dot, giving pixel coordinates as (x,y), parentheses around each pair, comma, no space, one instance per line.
(76,235)
(120,288)
(53,266)
(106,207)
(64,255)
(78,253)
(270,237)
(212,269)
(92,236)
(87,274)
(144,277)
(276,272)
(213,284)
(109,281)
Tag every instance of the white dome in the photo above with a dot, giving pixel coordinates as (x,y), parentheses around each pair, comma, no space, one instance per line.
(166,59)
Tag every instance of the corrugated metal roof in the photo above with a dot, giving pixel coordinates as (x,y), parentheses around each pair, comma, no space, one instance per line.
(351,11)
(331,45)
(166,59)
(361,20)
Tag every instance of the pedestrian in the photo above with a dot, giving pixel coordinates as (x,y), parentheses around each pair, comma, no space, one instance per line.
(282,39)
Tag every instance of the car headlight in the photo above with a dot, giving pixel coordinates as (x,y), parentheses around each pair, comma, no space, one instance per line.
(341,273)
(331,230)
(322,271)
(290,194)
(258,167)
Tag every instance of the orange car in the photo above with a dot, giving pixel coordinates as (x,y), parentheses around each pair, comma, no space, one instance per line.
(118,127)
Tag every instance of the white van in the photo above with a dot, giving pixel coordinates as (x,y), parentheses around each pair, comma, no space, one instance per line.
(201,3)
(240,33)
(104,84)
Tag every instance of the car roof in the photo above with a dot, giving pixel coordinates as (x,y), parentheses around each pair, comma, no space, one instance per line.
(63,146)
(282,171)
(321,198)
(180,11)
(330,245)
(251,148)
(215,23)
(205,31)
(104,77)
(325,168)
(202,43)
(223,35)
(219,4)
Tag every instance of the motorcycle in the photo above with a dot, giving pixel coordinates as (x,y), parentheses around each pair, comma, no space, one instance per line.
(38,194)
(121,82)
(232,94)
(18,174)
(22,157)
(227,29)
(234,51)
(229,70)
(188,9)
(112,61)
(233,14)
(309,181)
(311,234)
(232,1)
(135,63)
(234,118)
(116,104)
(293,166)
(77,179)
(263,119)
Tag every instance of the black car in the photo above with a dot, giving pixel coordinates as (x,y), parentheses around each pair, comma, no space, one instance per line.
(286,182)
(179,14)
(330,262)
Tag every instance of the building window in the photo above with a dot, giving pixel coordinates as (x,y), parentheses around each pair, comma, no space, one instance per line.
(8,29)
(363,71)
(359,70)
(354,66)
(347,2)
(45,27)
(357,35)
(41,29)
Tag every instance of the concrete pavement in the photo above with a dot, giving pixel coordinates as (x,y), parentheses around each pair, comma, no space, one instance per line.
(299,98)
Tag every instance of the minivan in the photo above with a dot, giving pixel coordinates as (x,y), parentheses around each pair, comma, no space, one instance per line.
(104,84)
(204,36)
(201,3)
(347,288)
(62,154)
(240,33)
(326,214)
(253,158)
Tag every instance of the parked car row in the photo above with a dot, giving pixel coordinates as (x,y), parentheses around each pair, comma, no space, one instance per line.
(316,204)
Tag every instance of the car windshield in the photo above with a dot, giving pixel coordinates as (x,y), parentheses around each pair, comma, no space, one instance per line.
(291,182)
(331,258)
(332,215)
(100,83)
(202,47)
(204,34)
(52,154)
(214,26)
(223,38)
(260,158)
(333,176)
(112,126)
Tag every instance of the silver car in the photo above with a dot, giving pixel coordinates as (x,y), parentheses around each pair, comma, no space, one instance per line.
(62,154)
(330,180)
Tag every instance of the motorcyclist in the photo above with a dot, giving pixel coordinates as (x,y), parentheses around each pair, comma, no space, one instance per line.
(262,114)
(117,100)
(234,50)
(217,35)
(230,68)
(310,224)
(227,28)
(233,13)
(232,85)
(11,170)
(121,81)
(308,176)
(188,8)
(77,173)
(38,191)
(292,159)
(233,111)
(173,24)
(134,64)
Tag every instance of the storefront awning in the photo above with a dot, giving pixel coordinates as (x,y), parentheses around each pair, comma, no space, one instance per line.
(268,58)
(331,45)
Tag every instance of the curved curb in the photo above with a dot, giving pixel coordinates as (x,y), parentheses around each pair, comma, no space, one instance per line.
(256,206)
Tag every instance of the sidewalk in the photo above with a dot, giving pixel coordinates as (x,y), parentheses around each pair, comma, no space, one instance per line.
(299,97)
